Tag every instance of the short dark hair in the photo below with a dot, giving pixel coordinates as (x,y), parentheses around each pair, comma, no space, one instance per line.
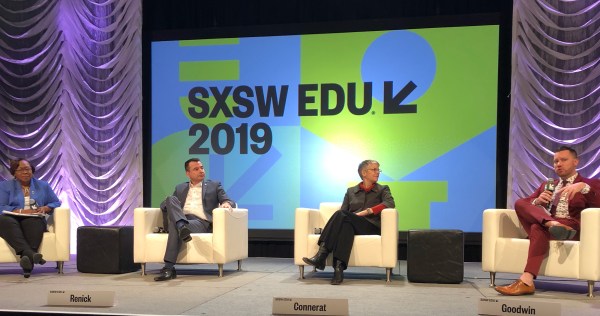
(187,163)
(364,164)
(14,165)
(571,150)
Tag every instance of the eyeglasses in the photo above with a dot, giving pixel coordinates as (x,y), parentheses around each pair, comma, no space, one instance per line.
(376,170)
(23,170)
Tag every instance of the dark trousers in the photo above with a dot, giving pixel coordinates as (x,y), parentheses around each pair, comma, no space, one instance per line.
(532,218)
(338,234)
(175,214)
(23,234)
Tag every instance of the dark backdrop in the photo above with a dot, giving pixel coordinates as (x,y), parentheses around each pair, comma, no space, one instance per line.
(212,16)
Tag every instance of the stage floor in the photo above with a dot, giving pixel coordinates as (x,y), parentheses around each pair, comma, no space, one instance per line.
(198,291)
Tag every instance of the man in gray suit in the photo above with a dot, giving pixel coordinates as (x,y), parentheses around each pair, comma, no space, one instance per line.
(189,210)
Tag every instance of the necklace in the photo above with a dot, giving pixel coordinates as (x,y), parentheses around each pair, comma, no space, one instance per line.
(25,190)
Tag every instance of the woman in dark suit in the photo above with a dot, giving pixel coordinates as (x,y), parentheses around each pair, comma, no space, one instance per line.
(29,202)
(360,214)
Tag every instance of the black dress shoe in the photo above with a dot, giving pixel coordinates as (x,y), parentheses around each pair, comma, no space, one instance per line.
(166,274)
(185,233)
(38,259)
(27,266)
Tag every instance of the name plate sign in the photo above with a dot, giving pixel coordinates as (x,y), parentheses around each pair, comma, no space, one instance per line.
(501,307)
(309,306)
(81,298)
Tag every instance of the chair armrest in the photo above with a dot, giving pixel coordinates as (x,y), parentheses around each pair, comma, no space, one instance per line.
(589,246)
(144,220)
(306,220)
(502,223)
(497,223)
(61,225)
(230,234)
(389,237)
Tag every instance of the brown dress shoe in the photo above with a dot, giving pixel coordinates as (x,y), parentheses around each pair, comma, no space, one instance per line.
(516,288)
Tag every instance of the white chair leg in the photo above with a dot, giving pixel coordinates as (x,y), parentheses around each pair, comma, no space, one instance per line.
(220,270)
(143,265)
(492,279)
(301,267)
(388,275)
(590,289)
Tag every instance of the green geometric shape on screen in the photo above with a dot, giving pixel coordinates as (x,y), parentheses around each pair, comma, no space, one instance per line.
(465,83)
(209,70)
(413,200)
(168,156)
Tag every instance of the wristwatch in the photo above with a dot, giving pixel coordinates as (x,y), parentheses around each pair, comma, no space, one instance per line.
(585,189)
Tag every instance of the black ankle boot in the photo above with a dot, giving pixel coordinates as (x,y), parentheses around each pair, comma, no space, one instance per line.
(38,258)
(338,273)
(318,261)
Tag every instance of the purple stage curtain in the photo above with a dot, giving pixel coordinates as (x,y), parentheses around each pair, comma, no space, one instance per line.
(71,101)
(555,90)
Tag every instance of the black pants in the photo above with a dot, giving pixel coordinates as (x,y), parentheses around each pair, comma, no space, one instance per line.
(23,234)
(338,234)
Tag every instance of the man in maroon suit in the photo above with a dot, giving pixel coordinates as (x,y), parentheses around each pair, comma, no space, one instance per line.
(552,212)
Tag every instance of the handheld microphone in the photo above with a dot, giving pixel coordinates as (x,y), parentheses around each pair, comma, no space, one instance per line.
(550,187)
(33,204)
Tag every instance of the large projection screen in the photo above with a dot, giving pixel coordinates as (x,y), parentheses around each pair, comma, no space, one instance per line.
(283,121)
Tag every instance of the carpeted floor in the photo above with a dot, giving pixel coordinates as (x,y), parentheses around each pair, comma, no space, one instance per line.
(198,291)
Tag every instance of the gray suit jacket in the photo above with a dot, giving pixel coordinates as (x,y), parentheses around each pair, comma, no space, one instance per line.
(213,194)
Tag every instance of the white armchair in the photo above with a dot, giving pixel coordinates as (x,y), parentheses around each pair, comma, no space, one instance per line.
(55,243)
(505,245)
(228,241)
(367,250)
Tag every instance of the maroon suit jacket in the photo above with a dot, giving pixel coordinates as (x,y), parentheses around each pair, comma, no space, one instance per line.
(579,202)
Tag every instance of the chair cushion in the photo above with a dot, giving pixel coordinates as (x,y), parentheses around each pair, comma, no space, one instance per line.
(562,260)
(198,250)
(366,251)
